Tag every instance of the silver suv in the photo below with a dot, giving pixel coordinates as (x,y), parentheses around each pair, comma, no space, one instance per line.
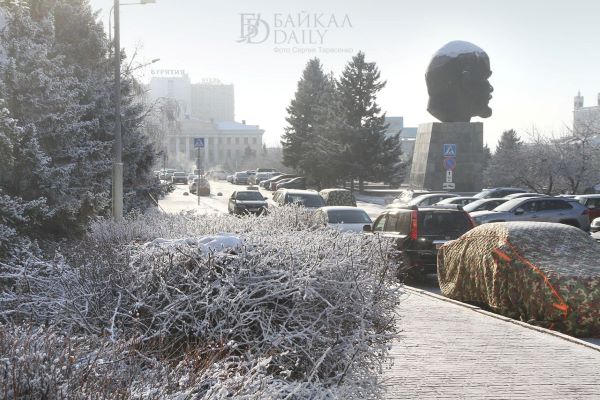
(541,209)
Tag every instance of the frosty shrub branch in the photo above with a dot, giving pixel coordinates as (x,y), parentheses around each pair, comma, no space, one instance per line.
(163,305)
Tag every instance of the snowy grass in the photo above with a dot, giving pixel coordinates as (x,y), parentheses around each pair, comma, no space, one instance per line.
(201,306)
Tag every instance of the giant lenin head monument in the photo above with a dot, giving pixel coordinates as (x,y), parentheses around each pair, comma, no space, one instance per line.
(448,155)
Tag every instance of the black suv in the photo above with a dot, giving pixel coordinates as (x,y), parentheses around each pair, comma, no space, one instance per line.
(419,233)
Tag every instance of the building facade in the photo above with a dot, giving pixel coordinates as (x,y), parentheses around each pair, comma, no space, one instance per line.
(408,135)
(586,120)
(206,110)
(211,99)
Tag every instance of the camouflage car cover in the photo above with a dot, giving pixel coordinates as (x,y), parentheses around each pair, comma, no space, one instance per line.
(544,273)
(338,197)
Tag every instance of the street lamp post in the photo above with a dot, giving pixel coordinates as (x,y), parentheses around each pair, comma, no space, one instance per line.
(117,181)
(117,170)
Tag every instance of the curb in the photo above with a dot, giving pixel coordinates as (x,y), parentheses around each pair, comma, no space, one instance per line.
(503,318)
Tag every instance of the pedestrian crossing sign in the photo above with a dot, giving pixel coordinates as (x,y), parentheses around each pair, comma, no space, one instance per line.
(450,150)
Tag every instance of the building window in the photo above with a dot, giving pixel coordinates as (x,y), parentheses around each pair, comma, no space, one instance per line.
(253,140)
(237,153)
(220,140)
(237,140)
(228,153)
(228,141)
(245,140)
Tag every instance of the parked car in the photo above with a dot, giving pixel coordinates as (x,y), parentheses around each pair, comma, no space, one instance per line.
(191,177)
(192,184)
(203,186)
(247,202)
(483,204)
(266,183)
(424,200)
(419,232)
(460,200)
(595,225)
(259,177)
(407,195)
(179,177)
(274,181)
(546,273)
(168,174)
(218,175)
(592,202)
(521,195)
(498,192)
(338,197)
(293,183)
(229,178)
(306,198)
(200,186)
(240,178)
(541,209)
(344,218)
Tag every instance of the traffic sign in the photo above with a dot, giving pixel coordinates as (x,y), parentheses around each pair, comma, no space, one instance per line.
(199,142)
(450,150)
(448,186)
(449,176)
(449,163)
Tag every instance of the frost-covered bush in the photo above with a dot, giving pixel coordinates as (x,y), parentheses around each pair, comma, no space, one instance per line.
(243,307)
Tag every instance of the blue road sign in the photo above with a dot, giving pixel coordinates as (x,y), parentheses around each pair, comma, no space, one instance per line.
(199,143)
(449,150)
(449,163)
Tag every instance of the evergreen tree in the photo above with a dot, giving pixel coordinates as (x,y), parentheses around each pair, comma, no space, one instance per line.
(57,81)
(508,161)
(368,153)
(299,141)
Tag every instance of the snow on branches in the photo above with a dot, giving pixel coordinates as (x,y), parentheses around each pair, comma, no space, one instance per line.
(248,307)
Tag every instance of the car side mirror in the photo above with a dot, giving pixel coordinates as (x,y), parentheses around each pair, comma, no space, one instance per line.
(264,198)
(519,211)
(367,228)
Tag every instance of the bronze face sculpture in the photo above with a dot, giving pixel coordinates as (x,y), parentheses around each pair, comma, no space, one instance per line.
(457,83)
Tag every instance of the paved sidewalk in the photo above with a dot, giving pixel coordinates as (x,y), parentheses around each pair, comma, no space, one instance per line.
(450,351)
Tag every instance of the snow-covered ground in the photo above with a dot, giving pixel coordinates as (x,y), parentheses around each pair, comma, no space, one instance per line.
(177,201)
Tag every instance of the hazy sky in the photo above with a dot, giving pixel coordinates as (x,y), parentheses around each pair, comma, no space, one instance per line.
(541,52)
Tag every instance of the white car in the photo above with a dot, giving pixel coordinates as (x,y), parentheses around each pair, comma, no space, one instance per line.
(344,218)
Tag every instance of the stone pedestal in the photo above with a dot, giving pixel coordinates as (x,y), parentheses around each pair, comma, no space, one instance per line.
(448,146)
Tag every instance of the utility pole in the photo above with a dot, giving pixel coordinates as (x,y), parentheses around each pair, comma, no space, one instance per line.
(198,183)
(117,170)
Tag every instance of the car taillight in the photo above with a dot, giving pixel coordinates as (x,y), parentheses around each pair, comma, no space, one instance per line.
(413,225)
(471,220)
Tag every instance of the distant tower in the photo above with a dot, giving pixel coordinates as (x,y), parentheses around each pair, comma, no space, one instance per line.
(578,101)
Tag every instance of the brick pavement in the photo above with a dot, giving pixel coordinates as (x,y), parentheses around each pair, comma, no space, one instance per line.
(450,351)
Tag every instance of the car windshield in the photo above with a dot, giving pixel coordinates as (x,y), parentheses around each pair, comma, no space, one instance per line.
(348,217)
(179,174)
(442,223)
(245,196)
(241,174)
(308,200)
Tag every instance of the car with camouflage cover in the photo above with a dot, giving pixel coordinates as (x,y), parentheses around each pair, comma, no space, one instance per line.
(547,274)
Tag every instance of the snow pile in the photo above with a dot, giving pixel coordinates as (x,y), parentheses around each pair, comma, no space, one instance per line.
(277,308)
